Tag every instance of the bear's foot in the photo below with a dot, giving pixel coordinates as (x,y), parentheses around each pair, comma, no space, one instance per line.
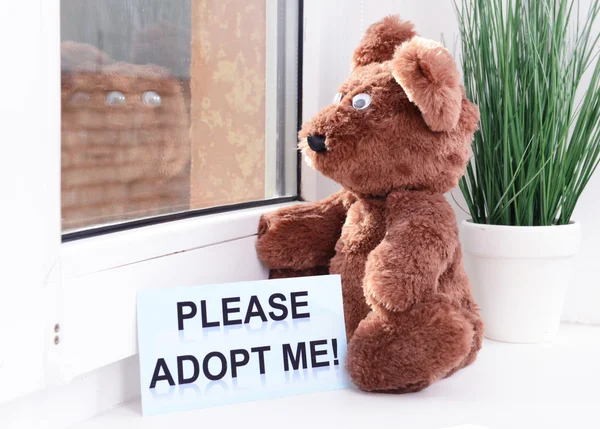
(406,352)
(477,323)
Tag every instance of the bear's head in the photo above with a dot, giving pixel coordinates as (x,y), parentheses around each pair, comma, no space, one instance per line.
(400,121)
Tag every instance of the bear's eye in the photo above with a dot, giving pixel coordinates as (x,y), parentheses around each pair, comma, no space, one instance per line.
(361,101)
(151,98)
(338,98)
(115,97)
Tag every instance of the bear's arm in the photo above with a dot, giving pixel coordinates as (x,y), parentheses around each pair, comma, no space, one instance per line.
(303,236)
(420,241)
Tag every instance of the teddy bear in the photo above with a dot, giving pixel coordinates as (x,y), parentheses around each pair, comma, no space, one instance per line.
(125,139)
(397,137)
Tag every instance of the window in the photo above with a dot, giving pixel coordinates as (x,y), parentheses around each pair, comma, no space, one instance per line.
(171,107)
(131,113)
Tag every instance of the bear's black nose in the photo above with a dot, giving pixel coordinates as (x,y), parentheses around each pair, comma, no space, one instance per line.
(317,143)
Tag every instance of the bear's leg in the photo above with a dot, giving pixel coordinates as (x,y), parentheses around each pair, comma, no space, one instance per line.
(407,351)
(287,273)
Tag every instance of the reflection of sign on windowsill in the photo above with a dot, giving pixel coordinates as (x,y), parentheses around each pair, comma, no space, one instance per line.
(211,345)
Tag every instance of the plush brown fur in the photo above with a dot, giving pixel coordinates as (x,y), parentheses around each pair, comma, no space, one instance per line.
(390,233)
(381,40)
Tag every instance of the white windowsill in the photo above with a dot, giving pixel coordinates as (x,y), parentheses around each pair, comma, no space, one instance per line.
(510,386)
(81,257)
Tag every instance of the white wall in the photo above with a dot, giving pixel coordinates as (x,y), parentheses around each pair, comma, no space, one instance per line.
(335,27)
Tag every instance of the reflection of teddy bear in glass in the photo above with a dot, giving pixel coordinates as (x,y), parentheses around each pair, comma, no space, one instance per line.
(396,138)
(125,139)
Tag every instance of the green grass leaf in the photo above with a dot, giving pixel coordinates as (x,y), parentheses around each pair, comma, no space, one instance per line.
(538,144)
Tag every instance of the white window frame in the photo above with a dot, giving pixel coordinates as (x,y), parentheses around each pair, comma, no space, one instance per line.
(69,308)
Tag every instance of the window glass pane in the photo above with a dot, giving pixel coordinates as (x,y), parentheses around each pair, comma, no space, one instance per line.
(175,105)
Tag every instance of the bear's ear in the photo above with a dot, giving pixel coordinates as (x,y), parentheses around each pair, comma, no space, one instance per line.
(427,73)
(381,40)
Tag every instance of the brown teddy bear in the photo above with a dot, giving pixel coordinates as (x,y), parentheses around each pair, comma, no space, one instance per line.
(396,138)
(122,158)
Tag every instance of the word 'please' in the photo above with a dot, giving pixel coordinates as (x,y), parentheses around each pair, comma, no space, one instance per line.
(277,308)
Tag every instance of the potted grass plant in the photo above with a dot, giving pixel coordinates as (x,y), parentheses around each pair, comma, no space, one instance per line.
(532,68)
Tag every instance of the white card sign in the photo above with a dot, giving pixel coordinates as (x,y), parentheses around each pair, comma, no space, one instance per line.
(210,345)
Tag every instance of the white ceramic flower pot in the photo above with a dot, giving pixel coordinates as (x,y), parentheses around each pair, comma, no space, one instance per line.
(520,277)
